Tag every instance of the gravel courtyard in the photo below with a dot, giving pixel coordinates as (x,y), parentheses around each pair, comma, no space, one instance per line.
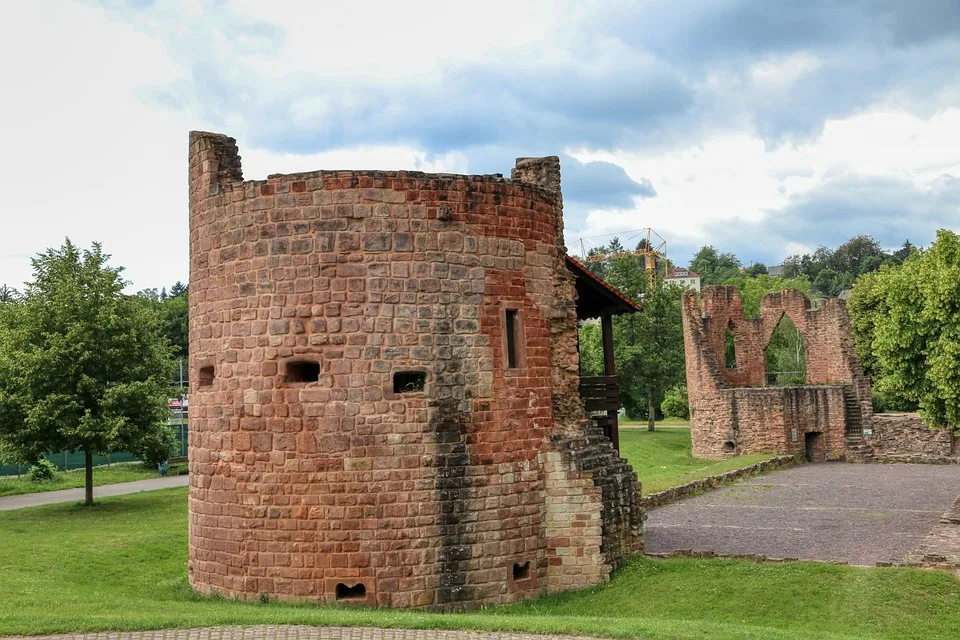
(858,513)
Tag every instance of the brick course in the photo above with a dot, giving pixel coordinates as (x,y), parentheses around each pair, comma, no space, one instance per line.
(486,486)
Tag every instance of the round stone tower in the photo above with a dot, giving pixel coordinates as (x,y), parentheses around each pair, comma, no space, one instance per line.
(383,389)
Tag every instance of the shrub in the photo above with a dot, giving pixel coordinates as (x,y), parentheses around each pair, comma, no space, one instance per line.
(675,404)
(42,471)
(157,447)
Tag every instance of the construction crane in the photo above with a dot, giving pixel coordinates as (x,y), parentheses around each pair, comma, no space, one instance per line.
(652,247)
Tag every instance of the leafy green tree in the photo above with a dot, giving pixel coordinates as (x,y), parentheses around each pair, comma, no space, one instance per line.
(757,269)
(906,324)
(8,294)
(753,289)
(82,365)
(172,310)
(648,346)
(714,267)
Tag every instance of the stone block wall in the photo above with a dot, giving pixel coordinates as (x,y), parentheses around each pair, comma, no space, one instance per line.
(905,437)
(317,472)
(734,413)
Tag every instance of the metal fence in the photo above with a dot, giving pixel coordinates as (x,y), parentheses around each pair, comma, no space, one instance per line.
(69,460)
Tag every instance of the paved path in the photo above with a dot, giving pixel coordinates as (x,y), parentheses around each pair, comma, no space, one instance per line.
(289,632)
(856,513)
(103,491)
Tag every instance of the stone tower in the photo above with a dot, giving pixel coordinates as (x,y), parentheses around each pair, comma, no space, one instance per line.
(384,402)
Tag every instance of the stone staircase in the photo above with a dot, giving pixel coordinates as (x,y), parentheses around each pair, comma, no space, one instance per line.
(857,448)
(591,451)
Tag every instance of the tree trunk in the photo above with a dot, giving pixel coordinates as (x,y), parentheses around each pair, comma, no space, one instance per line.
(89,473)
(651,413)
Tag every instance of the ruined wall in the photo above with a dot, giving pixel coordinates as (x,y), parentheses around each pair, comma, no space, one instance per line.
(733,412)
(905,437)
(313,475)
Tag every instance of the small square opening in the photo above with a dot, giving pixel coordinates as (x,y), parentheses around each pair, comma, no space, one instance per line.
(303,371)
(205,376)
(521,571)
(409,381)
(356,592)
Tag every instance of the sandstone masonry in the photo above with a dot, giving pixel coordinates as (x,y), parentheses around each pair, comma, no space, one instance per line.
(733,413)
(384,403)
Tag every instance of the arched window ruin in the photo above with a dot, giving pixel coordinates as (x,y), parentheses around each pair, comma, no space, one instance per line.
(786,356)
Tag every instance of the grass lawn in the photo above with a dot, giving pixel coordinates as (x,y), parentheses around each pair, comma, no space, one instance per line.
(122,565)
(13,486)
(666,422)
(662,458)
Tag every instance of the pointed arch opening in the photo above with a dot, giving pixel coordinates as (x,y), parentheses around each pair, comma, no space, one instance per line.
(730,349)
(786,356)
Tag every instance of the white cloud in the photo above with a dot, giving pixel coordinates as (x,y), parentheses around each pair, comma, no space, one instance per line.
(737,179)
(90,151)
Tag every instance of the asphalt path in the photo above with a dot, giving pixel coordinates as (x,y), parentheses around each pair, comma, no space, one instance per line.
(856,513)
(103,491)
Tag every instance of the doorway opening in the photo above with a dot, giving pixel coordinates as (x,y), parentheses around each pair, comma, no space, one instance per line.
(815,450)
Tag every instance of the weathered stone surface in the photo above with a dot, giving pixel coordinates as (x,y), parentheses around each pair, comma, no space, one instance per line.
(905,437)
(733,413)
(486,486)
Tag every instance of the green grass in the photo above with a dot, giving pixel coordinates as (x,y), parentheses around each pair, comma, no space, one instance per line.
(666,422)
(122,565)
(662,459)
(13,486)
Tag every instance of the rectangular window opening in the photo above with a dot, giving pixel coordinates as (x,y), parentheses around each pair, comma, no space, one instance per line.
(303,371)
(521,571)
(512,331)
(205,376)
(409,381)
(356,592)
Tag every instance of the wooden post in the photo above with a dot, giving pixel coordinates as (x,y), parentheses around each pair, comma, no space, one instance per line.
(610,369)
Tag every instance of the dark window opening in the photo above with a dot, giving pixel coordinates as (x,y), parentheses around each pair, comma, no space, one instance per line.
(521,571)
(303,371)
(730,350)
(729,447)
(356,592)
(205,376)
(511,331)
(409,381)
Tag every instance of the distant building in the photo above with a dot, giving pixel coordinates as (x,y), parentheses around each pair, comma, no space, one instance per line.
(684,277)
(775,272)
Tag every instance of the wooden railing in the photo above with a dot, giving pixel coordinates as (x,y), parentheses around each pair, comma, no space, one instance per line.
(601,399)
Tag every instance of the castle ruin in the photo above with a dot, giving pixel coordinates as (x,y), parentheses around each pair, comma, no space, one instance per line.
(733,412)
(385,401)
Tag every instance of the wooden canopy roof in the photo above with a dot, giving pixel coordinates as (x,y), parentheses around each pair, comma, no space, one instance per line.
(596,298)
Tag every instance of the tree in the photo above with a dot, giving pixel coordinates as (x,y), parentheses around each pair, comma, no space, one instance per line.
(714,267)
(172,309)
(906,323)
(757,269)
(8,294)
(82,365)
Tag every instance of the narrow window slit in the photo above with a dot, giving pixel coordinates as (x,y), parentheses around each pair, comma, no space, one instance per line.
(356,592)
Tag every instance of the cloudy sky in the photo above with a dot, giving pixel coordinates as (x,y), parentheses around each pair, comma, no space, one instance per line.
(761,127)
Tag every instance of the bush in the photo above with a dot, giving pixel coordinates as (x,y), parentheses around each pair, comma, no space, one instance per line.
(676,404)
(884,402)
(42,471)
(157,447)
